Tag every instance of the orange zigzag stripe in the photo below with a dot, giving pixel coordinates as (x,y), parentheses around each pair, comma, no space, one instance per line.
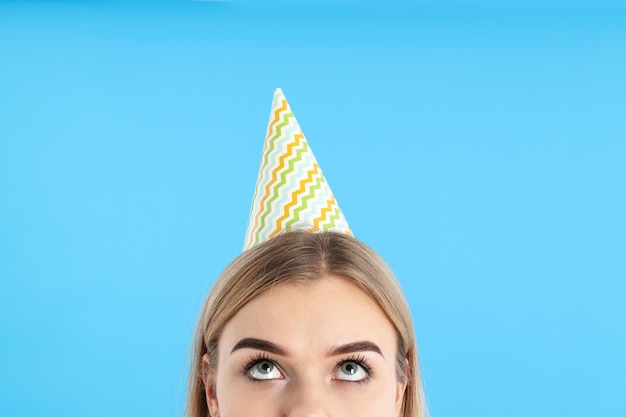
(294,198)
(327,209)
(277,113)
(277,117)
(281,165)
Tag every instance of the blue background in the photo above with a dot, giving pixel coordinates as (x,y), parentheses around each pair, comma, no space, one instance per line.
(480,149)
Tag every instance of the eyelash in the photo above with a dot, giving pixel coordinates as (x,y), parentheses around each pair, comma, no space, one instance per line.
(360,360)
(259,357)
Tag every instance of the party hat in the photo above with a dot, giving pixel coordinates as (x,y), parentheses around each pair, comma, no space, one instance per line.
(291,191)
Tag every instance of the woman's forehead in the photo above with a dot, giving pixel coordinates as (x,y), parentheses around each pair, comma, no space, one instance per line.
(317,314)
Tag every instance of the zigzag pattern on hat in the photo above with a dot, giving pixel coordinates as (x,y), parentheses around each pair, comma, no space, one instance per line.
(291,191)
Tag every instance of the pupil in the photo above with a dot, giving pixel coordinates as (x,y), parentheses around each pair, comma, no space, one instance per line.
(349,368)
(265,367)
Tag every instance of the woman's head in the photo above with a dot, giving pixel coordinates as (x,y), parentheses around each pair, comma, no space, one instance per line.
(299,308)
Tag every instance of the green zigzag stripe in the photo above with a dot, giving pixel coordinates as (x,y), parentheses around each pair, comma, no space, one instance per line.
(272,141)
(316,186)
(333,218)
(283,180)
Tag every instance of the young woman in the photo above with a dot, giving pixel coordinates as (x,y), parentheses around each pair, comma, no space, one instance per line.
(306,324)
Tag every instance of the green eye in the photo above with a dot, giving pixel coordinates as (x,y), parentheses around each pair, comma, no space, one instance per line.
(264,370)
(351,371)
(349,368)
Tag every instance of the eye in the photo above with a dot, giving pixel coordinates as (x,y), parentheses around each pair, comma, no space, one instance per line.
(351,371)
(264,370)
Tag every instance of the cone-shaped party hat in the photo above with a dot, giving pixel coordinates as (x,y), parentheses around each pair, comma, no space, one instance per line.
(291,191)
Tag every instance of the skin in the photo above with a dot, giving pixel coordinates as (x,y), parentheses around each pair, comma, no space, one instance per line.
(285,354)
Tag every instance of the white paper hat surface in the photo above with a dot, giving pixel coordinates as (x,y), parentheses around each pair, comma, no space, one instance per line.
(291,192)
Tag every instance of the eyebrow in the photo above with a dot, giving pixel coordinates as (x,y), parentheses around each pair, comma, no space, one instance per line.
(266,346)
(362,346)
(259,344)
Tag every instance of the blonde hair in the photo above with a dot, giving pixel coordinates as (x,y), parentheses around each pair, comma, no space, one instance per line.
(302,256)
